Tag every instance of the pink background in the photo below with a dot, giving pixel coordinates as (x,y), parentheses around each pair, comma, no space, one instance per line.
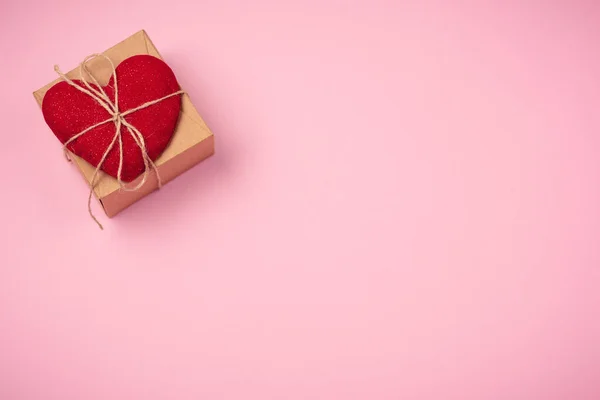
(405,204)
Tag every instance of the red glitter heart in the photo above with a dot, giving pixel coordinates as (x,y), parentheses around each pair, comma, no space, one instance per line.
(140,79)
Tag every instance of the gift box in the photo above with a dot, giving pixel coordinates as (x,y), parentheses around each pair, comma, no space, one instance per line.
(191,140)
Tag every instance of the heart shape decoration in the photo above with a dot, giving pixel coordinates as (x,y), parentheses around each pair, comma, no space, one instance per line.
(140,79)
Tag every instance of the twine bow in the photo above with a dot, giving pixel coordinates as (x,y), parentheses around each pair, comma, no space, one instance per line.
(118,118)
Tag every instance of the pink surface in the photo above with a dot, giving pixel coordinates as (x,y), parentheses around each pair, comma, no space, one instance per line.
(405,204)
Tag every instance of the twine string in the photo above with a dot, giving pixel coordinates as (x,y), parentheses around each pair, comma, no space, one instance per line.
(118,118)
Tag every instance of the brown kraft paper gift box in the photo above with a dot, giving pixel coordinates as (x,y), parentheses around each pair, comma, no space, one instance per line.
(191,143)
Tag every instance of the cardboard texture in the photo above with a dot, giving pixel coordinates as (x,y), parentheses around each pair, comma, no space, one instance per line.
(191,143)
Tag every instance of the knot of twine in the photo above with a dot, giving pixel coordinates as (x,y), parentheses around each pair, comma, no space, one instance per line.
(118,118)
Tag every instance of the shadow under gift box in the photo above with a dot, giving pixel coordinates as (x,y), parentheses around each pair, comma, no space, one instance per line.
(191,143)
